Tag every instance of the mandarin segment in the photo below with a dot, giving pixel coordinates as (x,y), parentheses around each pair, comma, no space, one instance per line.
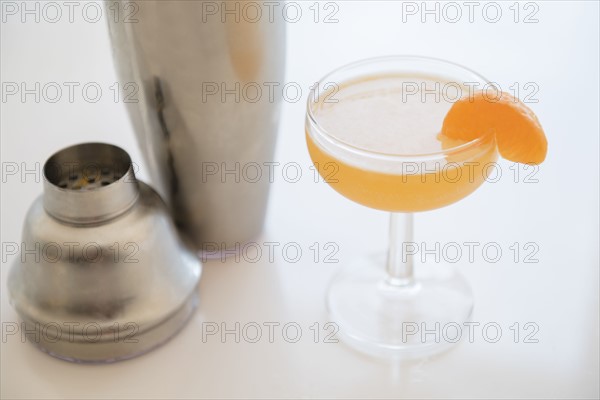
(519,135)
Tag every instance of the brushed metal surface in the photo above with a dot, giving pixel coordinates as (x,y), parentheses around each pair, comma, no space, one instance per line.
(102,273)
(176,55)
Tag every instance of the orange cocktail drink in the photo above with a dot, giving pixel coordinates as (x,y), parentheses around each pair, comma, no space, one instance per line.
(405,134)
(409,166)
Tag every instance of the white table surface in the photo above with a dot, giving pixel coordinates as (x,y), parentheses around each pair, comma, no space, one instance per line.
(559,53)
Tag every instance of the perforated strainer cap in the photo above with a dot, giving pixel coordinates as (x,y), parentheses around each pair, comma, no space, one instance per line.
(89,182)
(109,277)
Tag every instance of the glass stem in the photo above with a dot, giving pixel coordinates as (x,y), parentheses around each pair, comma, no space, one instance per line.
(399,263)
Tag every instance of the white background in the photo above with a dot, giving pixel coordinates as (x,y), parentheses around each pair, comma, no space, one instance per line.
(559,53)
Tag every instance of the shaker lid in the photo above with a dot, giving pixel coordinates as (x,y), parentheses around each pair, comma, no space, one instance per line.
(89,183)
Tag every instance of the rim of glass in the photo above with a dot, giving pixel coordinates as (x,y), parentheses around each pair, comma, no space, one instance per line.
(340,143)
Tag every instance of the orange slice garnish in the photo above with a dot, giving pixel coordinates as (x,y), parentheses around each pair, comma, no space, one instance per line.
(519,135)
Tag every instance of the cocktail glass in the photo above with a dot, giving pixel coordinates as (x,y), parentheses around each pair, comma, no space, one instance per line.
(372,129)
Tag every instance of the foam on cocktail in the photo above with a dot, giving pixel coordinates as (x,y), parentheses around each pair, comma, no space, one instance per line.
(395,114)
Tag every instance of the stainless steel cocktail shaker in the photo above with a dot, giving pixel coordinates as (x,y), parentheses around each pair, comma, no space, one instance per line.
(204,84)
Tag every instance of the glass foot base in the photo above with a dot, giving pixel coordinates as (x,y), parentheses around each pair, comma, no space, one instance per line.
(419,319)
